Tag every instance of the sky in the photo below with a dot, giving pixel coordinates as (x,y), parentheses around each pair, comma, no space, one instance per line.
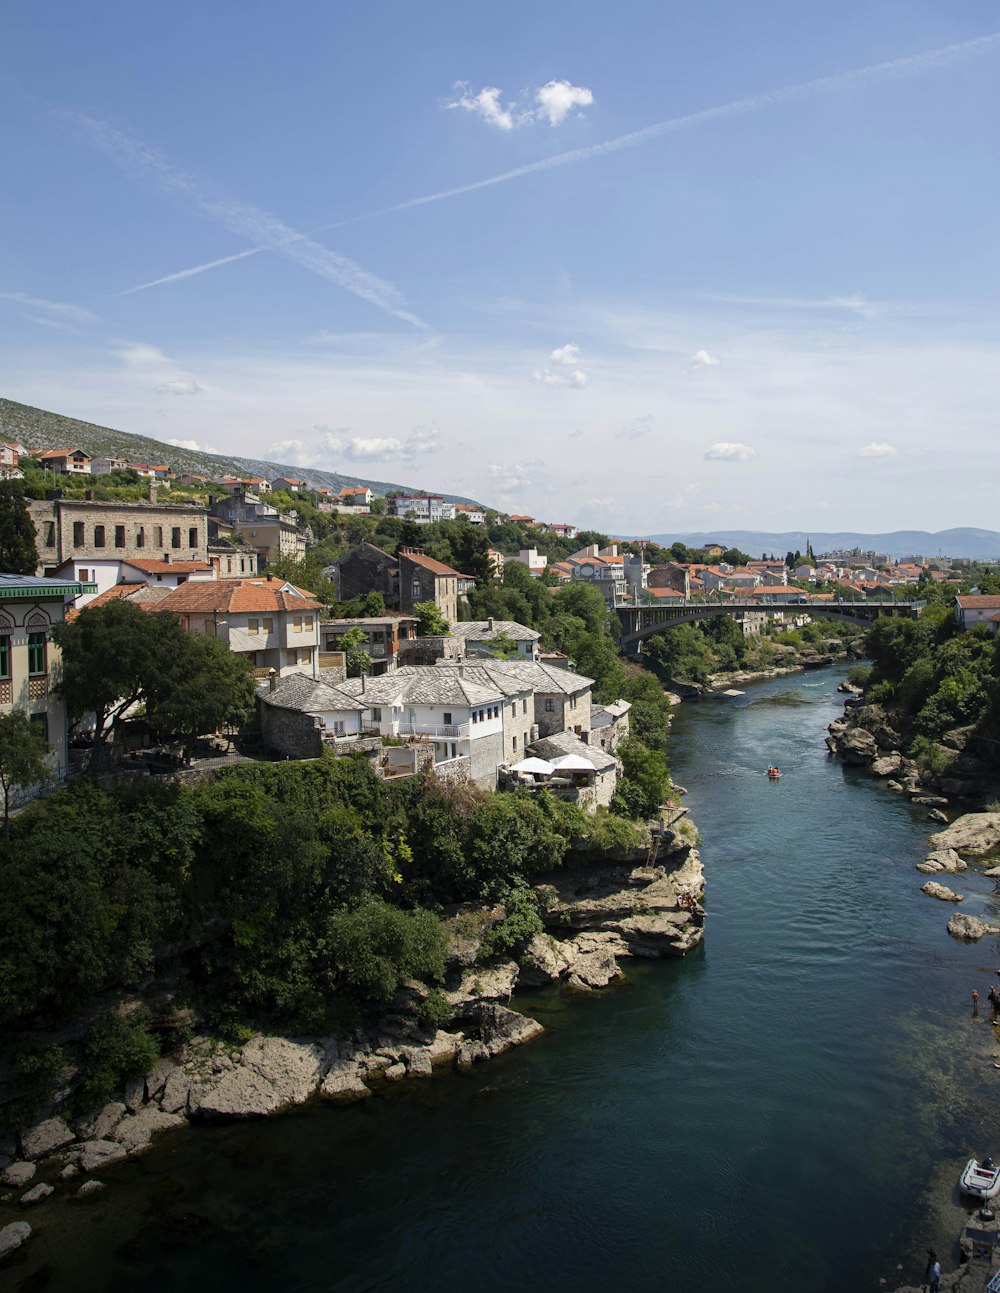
(649,267)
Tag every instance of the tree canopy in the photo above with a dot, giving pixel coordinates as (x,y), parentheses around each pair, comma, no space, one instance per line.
(18,553)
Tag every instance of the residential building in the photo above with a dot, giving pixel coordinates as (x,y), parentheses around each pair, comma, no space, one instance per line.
(521,520)
(9,463)
(609,725)
(105,573)
(365,569)
(423,578)
(497,561)
(470,512)
(533,559)
(384,634)
(102,466)
(403,580)
(588,789)
(70,529)
(272,533)
(65,462)
(562,531)
(290,485)
(267,619)
(422,508)
(356,496)
(562,698)
(29,659)
(480,635)
(232,558)
(976,608)
(672,576)
(300,717)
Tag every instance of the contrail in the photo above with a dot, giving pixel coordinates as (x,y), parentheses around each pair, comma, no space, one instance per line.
(266,231)
(898,67)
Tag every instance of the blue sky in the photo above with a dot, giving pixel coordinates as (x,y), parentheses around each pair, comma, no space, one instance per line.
(738,267)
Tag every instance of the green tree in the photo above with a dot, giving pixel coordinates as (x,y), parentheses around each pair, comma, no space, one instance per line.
(644,783)
(18,554)
(354,644)
(22,759)
(503,646)
(375,947)
(199,687)
(432,622)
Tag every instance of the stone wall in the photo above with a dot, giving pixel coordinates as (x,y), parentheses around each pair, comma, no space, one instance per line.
(486,755)
(290,732)
(455,772)
(428,650)
(147,530)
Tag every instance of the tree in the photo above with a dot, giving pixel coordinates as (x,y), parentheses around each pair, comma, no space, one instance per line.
(22,759)
(432,622)
(18,554)
(199,688)
(503,646)
(354,644)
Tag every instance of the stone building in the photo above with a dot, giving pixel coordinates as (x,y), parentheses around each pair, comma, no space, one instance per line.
(403,580)
(301,717)
(68,528)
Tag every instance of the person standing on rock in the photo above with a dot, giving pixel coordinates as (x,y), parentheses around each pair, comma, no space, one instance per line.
(975,1002)
(932,1275)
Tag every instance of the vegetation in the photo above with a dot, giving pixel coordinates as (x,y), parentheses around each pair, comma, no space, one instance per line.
(431,623)
(18,554)
(22,759)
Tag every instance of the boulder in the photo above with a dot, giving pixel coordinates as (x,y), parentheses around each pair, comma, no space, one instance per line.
(69,1172)
(343,1086)
(543,961)
(856,746)
(592,959)
(501,1029)
(156,1080)
(89,1188)
(993,872)
(18,1174)
(35,1195)
(970,929)
(936,815)
(444,1047)
(485,983)
(136,1130)
(272,1074)
(175,1090)
(106,1121)
(101,1153)
(935,890)
(887,765)
(13,1236)
(395,1073)
(974,833)
(470,1053)
(45,1138)
(943,860)
(418,1062)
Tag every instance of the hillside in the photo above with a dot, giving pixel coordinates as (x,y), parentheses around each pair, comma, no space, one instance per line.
(40,429)
(977,545)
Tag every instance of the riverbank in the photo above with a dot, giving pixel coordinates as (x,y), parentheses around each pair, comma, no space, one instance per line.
(596,914)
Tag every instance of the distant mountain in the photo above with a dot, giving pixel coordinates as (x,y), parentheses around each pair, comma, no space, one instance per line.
(39,429)
(980,545)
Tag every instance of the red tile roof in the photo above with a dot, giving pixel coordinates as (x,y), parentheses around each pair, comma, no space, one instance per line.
(155,567)
(979,602)
(431,564)
(238,595)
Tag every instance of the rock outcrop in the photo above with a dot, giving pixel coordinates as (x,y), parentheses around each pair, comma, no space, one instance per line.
(976,834)
(970,929)
(13,1236)
(942,860)
(272,1073)
(936,890)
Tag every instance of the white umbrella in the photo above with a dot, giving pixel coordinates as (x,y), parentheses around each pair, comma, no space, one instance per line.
(573,763)
(540,766)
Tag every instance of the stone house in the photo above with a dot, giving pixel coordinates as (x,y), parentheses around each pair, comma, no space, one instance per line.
(301,717)
(271,533)
(385,634)
(562,698)
(479,636)
(29,659)
(268,620)
(589,789)
(365,569)
(423,579)
(77,528)
(609,725)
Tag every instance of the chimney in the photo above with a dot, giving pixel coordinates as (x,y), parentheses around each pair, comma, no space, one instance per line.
(272,680)
(363,677)
(461,669)
(270,579)
(151,490)
(490,623)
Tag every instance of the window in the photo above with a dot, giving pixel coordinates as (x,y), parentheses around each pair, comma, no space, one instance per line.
(268,624)
(376,716)
(140,537)
(305,656)
(524,705)
(514,745)
(253,624)
(338,727)
(447,720)
(98,536)
(40,726)
(415,589)
(175,537)
(296,623)
(158,535)
(78,539)
(307,622)
(119,536)
(193,537)
(37,654)
(5,656)
(50,534)
(550,706)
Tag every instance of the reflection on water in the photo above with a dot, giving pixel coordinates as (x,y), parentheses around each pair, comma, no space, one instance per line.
(787,1108)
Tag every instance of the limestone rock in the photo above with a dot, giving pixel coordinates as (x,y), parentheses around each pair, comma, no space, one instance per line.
(485,983)
(176,1090)
(18,1174)
(418,1062)
(13,1236)
(444,1047)
(592,959)
(974,833)
(970,929)
(136,1130)
(501,1029)
(156,1080)
(89,1188)
(935,890)
(395,1072)
(135,1095)
(35,1195)
(69,1172)
(343,1084)
(272,1074)
(45,1138)
(942,860)
(470,1053)
(887,765)
(992,872)
(930,801)
(936,815)
(857,746)
(106,1121)
(543,961)
(101,1153)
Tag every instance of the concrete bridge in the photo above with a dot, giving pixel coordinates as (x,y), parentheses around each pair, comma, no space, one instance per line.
(641,622)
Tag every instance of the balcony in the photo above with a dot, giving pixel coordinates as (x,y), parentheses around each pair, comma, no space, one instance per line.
(439,732)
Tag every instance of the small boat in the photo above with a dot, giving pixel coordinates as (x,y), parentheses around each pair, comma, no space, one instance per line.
(774,773)
(981,1180)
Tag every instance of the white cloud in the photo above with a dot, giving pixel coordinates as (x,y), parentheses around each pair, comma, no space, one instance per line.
(730,451)
(876,449)
(52,314)
(568,354)
(636,429)
(141,357)
(558,98)
(179,387)
(192,444)
(702,359)
(485,104)
(555,101)
(375,449)
(422,440)
(514,476)
(549,378)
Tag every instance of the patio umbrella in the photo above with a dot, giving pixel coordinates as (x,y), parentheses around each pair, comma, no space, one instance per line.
(540,766)
(573,763)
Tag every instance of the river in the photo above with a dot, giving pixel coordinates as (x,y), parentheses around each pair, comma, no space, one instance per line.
(787,1108)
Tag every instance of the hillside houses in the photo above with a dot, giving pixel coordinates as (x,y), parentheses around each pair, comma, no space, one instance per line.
(403,580)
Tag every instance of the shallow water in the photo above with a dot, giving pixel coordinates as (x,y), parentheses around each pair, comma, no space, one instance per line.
(787,1108)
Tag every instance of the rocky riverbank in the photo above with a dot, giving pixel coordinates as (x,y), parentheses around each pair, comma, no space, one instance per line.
(596,915)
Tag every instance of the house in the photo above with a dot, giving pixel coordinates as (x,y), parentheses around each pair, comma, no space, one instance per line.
(231,557)
(470,512)
(66,462)
(585,788)
(108,533)
(531,558)
(356,496)
(521,520)
(404,580)
(300,717)
(384,634)
(365,569)
(106,573)
(672,576)
(268,620)
(768,593)
(272,533)
(290,485)
(10,468)
(497,561)
(609,725)
(561,531)
(976,608)
(562,698)
(423,578)
(102,466)
(479,636)
(29,659)
(712,550)
(160,473)
(422,508)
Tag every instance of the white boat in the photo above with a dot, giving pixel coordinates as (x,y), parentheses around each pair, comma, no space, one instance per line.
(981,1180)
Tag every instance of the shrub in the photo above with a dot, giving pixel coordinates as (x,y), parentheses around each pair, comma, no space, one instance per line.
(520,924)
(434,1010)
(374,947)
(859,675)
(118,1050)
(931,757)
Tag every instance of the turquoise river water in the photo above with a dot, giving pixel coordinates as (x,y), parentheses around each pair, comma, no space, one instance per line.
(787,1108)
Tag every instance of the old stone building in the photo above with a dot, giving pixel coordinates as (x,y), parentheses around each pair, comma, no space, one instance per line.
(68,528)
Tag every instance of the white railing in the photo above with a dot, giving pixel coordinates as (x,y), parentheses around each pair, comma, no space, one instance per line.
(449,731)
